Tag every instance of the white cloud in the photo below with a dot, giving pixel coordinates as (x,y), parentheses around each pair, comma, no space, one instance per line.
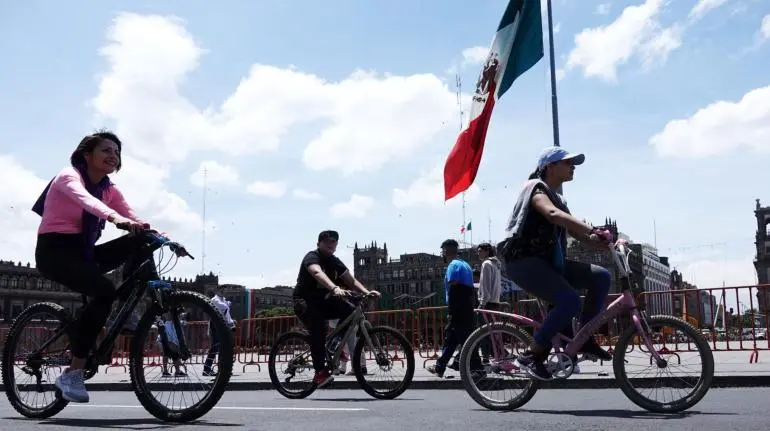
(16,216)
(711,273)
(475,55)
(603,9)
(719,128)
(428,190)
(370,118)
(306,195)
(284,277)
(376,120)
(655,51)
(270,189)
(600,50)
(357,207)
(215,174)
(764,29)
(703,7)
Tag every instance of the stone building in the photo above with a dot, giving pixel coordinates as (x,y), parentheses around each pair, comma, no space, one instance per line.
(21,286)
(411,280)
(762,258)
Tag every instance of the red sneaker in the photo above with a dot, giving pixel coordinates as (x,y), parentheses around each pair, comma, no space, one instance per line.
(323,378)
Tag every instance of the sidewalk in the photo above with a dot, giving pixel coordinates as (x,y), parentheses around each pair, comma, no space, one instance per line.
(732,369)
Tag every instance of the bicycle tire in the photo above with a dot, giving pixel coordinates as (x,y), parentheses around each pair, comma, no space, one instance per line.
(409,352)
(9,350)
(468,382)
(703,385)
(274,352)
(136,362)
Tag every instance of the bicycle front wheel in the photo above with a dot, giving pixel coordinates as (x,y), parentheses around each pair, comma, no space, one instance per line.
(388,342)
(157,373)
(666,334)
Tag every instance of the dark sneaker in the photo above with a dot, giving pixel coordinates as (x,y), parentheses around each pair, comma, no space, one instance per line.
(323,378)
(534,366)
(592,348)
(437,370)
(454,366)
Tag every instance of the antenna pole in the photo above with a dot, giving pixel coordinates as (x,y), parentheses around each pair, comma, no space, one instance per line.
(203,233)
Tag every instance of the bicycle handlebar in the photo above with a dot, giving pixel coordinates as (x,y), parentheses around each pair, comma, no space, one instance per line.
(159,240)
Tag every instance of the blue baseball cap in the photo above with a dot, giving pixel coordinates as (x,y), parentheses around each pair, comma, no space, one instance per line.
(557,154)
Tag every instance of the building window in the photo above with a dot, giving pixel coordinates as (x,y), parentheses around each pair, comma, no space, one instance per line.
(380,276)
(401,273)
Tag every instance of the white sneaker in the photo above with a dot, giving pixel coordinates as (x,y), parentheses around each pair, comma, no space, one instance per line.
(72,386)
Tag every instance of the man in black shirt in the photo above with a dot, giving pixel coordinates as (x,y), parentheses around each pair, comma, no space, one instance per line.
(318,297)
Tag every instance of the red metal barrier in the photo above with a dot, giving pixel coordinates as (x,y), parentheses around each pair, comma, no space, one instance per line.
(743,329)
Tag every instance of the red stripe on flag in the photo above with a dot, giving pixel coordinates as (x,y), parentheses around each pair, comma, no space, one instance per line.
(463,161)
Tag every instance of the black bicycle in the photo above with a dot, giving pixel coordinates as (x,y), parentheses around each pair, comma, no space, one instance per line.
(296,379)
(37,345)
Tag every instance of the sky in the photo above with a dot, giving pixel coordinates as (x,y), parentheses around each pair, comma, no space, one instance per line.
(308,117)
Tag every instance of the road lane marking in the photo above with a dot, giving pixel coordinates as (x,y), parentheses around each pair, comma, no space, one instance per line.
(310,409)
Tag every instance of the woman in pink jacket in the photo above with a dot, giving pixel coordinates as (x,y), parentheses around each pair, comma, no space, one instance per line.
(74,208)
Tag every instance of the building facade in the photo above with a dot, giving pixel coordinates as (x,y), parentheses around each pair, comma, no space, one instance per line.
(657,281)
(21,285)
(762,258)
(409,281)
(698,307)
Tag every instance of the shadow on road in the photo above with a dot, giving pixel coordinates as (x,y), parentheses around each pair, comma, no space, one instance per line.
(630,414)
(129,424)
(357,400)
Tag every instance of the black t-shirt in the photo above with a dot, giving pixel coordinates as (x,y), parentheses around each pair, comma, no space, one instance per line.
(538,235)
(331,265)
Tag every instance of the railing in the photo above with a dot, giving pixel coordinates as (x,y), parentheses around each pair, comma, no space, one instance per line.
(745,329)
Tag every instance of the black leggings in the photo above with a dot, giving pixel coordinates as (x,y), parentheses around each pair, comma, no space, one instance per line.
(313,311)
(60,257)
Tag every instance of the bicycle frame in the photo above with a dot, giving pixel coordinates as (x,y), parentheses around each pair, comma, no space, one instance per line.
(137,293)
(354,323)
(625,302)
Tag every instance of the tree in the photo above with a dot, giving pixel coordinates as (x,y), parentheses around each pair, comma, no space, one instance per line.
(275,311)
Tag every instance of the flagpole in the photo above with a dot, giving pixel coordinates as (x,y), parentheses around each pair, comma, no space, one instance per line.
(554,101)
(459,84)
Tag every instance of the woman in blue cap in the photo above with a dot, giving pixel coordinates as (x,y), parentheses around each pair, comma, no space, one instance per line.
(535,257)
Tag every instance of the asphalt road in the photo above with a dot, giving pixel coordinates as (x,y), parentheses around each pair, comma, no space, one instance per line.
(341,410)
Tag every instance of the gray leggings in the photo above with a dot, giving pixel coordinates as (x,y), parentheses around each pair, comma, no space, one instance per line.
(539,278)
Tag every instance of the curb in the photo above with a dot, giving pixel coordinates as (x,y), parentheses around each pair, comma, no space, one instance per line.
(455,384)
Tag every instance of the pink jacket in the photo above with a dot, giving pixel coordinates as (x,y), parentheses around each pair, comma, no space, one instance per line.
(68,197)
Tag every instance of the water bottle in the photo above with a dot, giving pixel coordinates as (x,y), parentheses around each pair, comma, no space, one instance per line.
(334,343)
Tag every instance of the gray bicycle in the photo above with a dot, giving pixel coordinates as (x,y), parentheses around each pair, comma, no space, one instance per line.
(389,349)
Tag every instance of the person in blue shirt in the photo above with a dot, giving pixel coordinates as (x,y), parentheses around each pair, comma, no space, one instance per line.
(461,300)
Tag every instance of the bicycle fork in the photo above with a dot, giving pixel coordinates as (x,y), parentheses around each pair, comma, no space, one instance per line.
(644,330)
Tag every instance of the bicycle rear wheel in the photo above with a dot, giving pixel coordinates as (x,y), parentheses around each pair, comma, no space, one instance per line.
(671,349)
(500,341)
(29,381)
(200,337)
(283,352)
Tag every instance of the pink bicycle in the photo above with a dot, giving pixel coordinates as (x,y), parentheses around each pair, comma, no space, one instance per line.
(647,335)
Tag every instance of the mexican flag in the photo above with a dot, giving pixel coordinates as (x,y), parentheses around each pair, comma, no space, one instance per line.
(517,46)
(465,228)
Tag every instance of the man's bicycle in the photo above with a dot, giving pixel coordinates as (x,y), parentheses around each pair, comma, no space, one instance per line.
(37,346)
(292,349)
(647,336)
